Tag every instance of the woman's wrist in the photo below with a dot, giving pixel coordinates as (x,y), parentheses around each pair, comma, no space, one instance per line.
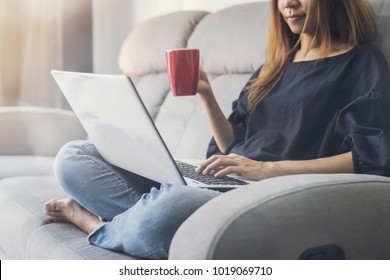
(207,95)
(275,168)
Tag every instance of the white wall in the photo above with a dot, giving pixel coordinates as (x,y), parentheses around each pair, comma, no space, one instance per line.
(113,19)
(111,23)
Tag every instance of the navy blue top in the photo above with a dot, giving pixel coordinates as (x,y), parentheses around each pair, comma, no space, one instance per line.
(319,109)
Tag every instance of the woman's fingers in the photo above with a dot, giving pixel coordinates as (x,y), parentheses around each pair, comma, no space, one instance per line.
(222,165)
(206,163)
(228,170)
(217,163)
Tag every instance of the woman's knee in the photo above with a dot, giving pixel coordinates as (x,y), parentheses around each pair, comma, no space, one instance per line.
(65,156)
(69,163)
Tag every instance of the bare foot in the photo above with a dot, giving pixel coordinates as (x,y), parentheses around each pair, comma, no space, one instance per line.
(68,210)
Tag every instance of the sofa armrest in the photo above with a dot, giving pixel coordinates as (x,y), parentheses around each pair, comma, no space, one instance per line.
(37,130)
(281,218)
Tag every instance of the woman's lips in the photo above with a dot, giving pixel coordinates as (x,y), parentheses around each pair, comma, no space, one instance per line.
(294,18)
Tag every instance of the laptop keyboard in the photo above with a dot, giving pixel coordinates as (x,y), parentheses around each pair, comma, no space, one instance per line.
(188,170)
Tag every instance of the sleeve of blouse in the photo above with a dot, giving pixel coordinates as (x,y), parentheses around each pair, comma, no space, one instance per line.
(237,118)
(238,121)
(365,126)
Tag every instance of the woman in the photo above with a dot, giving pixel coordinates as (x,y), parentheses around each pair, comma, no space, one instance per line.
(319,104)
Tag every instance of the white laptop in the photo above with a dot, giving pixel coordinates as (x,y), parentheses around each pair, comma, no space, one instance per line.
(117,121)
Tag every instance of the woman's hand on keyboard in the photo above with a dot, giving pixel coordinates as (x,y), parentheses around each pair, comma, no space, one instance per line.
(249,169)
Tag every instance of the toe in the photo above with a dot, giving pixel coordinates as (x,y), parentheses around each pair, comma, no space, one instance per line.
(50,205)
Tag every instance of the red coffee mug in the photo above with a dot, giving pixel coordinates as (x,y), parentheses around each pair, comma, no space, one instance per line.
(183,71)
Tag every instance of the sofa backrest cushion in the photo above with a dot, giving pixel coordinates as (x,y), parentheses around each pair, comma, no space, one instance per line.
(143,51)
(382,16)
(232,40)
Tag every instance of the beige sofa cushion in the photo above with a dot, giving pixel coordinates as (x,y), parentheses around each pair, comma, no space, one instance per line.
(159,34)
(230,44)
(37,130)
(382,11)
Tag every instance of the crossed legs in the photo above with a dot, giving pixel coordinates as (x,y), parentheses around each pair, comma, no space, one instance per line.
(139,224)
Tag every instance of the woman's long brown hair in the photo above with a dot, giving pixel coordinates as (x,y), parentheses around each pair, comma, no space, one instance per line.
(349,22)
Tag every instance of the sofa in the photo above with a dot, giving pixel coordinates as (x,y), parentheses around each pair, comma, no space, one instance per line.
(308,216)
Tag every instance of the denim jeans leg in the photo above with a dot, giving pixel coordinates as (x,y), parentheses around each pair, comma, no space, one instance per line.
(100,187)
(146,229)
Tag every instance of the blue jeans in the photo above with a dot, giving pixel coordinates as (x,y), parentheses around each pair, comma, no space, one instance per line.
(139,224)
